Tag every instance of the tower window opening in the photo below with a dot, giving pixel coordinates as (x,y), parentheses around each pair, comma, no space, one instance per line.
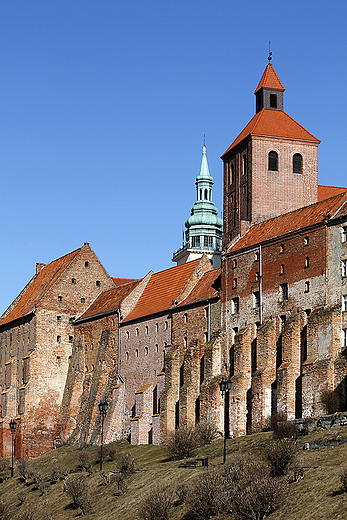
(208,241)
(344,234)
(206,194)
(235,305)
(344,267)
(273,100)
(273,161)
(195,241)
(344,337)
(284,291)
(244,165)
(297,163)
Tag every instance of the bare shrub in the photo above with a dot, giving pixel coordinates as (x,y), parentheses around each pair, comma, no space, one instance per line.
(111,454)
(206,432)
(4,471)
(259,499)
(181,443)
(330,400)
(22,496)
(126,464)
(27,514)
(58,473)
(25,471)
(121,480)
(156,505)
(343,479)
(280,454)
(84,460)
(209,496)
(285,430)
(238,470)
(3,510)
(76,487)
(181,493)
(41,481)
(273,420)
(296,470)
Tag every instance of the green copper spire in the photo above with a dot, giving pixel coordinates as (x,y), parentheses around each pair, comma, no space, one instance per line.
(203,227)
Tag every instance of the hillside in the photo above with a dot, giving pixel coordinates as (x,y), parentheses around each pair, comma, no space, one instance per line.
(314,497)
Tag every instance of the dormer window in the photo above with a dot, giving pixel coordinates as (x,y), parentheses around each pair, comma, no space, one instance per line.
(273,100)
(273,161)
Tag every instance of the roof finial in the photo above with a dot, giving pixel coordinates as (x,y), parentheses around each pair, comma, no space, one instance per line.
(270,53)
(204,139)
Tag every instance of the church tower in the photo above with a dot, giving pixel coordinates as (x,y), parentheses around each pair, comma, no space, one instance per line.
(204,227)
(271,167)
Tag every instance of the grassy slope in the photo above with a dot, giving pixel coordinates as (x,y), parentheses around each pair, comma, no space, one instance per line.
(313,498)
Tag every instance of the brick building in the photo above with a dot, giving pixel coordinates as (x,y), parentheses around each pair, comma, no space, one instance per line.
(36,337)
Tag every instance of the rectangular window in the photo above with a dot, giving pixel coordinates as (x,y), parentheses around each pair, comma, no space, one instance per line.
(307,287)
(235,305)
(195,241)
(344,234)
(208,241)
(344,302)
(344,337)
(344,267)
(273,101)
(256,300)
(284,291)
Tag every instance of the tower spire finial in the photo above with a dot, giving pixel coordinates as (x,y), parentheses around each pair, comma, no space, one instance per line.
(270,53)
(204,139)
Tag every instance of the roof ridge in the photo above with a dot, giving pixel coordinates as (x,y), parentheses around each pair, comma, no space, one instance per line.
(301,126)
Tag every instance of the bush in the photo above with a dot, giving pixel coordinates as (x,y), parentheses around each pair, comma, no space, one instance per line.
(76,487)
(236,469)
(25,471)
(209,496)
(259,499)
(206,432)
(156,505)
(126,464)
(83,458)
(41,481)
(3,510)
(121,481)
(22,496)
(280,454)
(181,443)
(4,471)
(285,430)
(111,454)
(273,420)
(58,473)
(330,400)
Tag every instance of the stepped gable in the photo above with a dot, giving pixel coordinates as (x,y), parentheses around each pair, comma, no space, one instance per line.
(122,281)
(206,288)
(273,123)
(292,221)
(162,290)
(270,80)
(108,301)
(37,287)
(325,192)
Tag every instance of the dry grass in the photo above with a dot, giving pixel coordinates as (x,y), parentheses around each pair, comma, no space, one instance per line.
(316,496)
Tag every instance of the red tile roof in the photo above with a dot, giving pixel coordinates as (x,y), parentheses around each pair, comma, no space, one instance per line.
(36,288)
(205,289)
(122,281)
(292,221)
(270,79)
(273,123)
(325,192)
(161,290)
(108,301)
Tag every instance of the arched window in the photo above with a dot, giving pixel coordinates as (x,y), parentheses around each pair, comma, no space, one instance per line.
(273,161)
(206,194)
(297,163)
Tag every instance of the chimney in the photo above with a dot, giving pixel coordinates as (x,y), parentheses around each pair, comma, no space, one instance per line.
(39,267)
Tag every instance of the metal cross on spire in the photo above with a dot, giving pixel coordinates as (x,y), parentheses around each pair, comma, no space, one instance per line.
(270,53)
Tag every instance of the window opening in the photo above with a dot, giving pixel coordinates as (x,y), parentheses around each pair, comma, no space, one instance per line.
(273,100)
(344,267)
(235,305)
(256,300)
(273,161)
(344,234)
(307,262)
(307,287)
(306,241)
(344,302)
(344,337)
(297,163)
(284,291)
(181,376)
(244,165)
(86,264)
(202,369)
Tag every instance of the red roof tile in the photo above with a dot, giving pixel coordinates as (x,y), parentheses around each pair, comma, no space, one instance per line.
(273,123)
(270,79)
(36,288)
(108,301)
(205,289)
(292,221)
(122,281)
(161,290)
(325,192)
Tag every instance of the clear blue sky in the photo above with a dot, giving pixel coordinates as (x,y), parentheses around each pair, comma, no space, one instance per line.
(104,105)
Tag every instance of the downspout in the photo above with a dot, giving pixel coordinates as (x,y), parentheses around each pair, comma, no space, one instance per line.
(260,286)
(118,367)
(209,323)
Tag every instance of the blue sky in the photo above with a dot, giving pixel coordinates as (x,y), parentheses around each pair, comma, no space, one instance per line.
(104,105)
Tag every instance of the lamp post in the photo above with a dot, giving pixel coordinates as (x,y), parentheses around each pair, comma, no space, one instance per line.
(225,386)
(102,409)
(13,426)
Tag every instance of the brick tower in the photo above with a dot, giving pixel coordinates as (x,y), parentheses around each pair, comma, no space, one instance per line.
(271,167)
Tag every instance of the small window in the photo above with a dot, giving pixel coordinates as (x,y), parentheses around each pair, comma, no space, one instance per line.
(146,351)
(127,335)
(257,276)
(195,241)
(185,342)
(256,300)
(165,325)
(281,248)
(273,161)
(256,256)
(58,339)
(284,291)
(273,100)
(156,327)
(71,319)
(344,338)
(344,302)
(70,339)
(244,165)
(307,262)
(306,241)
(231,174)
(83,300)
(58,319)
(234,263)
(344,234)
(234,283)
(307,287)
(58,360)
(208,241)
(136,353)
(282,269)
(344,267)
(157,348)
(185,317)
(146,329)
(297,163)
(181,375)
(73,280)
(98,283)
(126,356)
(235,305)
(86,264)
(60,298)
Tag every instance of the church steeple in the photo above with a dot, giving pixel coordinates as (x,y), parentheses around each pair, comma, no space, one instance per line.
(204,227)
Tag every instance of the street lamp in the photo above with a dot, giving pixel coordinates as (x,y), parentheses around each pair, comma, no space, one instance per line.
(13,426)
(225,386)
(102,409)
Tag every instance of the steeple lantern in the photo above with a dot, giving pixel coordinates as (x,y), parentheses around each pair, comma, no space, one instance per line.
(269,92)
